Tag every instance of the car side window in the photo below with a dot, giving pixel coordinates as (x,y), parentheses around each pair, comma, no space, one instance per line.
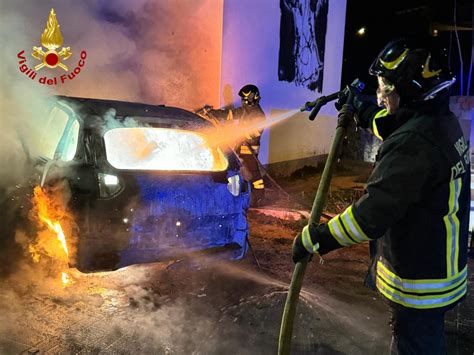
(68,143)
(60,135)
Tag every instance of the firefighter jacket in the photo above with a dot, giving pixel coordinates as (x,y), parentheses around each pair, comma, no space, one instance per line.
(416,203)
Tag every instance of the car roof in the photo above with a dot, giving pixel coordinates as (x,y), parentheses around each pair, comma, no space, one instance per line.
(98,107)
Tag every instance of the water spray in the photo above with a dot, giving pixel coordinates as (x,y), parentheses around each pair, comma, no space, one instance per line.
(228,132)
(346,114)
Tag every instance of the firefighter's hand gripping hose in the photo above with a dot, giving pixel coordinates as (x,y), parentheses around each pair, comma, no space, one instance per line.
(344,118)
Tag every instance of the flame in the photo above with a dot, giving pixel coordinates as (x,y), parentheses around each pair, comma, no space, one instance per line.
(48,212)
(56,228)
(42,202)
(52,37)
(35,254)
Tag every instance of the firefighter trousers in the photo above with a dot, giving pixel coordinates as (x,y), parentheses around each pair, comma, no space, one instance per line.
(417,332)
(257,184)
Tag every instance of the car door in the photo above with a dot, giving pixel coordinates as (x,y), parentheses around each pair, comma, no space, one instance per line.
(57,146)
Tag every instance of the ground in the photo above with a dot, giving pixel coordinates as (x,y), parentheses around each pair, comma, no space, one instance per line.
(202,305)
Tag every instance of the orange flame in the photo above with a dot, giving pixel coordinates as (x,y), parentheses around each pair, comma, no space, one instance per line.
(56,228)
(42,202)
(48,214)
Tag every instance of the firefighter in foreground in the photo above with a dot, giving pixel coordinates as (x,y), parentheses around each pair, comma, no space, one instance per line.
(250,112)
(416,202)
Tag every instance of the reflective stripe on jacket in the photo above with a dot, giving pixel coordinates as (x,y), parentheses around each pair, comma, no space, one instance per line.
(416,204)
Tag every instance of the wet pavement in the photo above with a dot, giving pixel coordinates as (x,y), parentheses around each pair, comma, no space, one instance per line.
(207,306)
(189,307)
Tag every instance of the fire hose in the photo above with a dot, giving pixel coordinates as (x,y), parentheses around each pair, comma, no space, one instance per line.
(345,116)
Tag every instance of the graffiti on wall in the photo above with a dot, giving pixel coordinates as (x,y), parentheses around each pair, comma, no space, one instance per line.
(302,41)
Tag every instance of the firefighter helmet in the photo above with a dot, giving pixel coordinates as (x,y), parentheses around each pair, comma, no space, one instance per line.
(418,72)
(250,94)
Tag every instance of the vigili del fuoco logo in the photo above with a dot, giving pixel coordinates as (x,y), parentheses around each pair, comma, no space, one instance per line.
(51,56)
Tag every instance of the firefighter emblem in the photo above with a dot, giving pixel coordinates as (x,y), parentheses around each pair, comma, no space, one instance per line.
(51,39)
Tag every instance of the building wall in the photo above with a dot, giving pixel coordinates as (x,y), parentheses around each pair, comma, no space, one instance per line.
(463,108)
(301,138)
(250,53)
(159,52)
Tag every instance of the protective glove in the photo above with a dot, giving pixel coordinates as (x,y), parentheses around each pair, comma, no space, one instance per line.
(364,106)
(304,245)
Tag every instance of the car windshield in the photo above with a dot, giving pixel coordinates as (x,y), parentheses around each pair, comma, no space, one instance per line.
(149,148)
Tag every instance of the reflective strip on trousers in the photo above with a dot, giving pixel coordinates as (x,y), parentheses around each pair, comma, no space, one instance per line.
(246,150)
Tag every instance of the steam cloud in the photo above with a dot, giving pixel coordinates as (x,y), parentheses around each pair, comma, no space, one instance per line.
(128,306)
(147,51)
(143,51)
(158,52)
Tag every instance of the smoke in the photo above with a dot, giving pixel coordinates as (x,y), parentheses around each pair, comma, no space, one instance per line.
(137,51)
(190,307)
(148,51)
(159,52)
(21,106)
(132,306)
(110,121)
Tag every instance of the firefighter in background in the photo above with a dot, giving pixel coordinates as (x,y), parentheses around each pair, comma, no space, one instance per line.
(250,112)
(416,202)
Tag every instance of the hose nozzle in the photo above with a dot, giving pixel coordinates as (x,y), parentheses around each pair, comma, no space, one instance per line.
(315,106)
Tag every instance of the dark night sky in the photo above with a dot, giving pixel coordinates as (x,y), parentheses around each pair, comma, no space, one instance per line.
(386,20)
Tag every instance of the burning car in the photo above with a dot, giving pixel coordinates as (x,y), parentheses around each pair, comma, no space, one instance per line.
(144,184)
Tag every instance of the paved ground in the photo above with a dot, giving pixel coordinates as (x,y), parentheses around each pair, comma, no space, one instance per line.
(193,306)
(206,306)
(209,306)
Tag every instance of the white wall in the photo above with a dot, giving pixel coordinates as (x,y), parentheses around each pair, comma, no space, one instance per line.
(158,52)
(250,47)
